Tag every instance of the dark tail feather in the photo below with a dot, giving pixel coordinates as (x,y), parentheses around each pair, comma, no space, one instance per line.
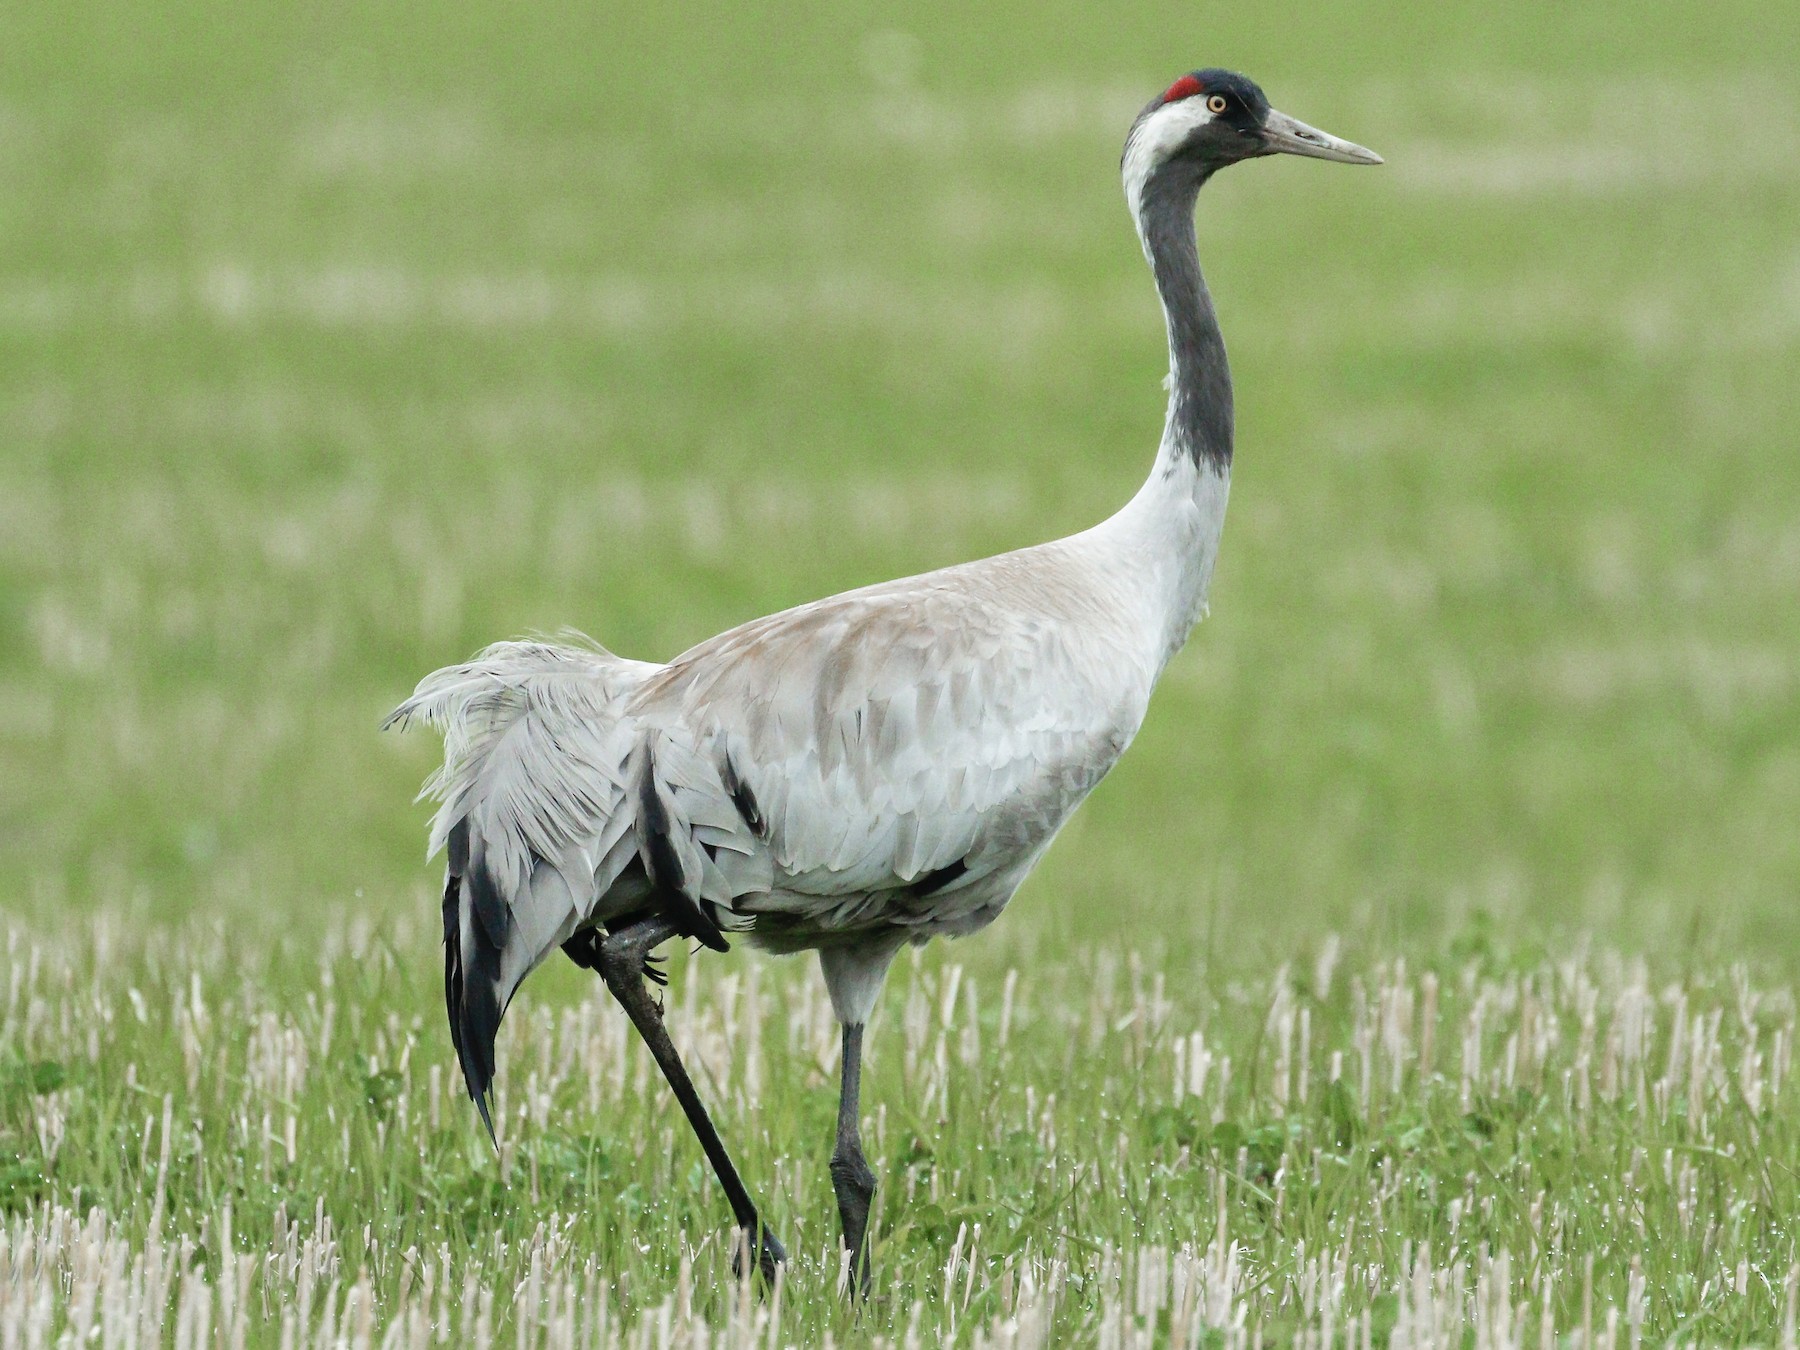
(473,1011)
(664,866)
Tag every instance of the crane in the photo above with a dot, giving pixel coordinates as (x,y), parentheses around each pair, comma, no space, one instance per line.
(847,777)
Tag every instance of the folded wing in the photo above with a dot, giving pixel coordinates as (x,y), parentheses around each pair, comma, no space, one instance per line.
(843,763)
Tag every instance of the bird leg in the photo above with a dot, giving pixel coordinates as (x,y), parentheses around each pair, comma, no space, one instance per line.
(584,950)
(621,963)
(850,1174)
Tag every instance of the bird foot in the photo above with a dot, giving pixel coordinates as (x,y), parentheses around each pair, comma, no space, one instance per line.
(770,1254)
(585,949)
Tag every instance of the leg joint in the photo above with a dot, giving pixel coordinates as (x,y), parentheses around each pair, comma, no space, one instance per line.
(850,1171)
(620,955)
(618,962)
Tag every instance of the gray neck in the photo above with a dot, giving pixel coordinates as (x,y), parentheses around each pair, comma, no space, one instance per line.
(1199,426)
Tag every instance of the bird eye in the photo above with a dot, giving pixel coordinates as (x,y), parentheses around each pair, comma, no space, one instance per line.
(1216,103)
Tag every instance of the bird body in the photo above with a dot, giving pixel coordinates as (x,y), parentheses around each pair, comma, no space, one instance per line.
(872,769)
(880,766)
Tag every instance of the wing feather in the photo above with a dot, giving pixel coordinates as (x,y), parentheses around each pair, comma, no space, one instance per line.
(886,736)
(534,809)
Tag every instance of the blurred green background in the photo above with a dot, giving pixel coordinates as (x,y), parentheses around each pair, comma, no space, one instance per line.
(338,342)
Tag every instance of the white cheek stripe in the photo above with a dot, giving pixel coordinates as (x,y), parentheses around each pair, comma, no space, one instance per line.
(1155,140)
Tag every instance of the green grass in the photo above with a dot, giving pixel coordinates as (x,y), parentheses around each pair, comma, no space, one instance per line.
(1093,1147)
(337,343)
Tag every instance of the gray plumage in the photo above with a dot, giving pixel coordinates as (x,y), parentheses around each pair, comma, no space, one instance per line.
(876,768)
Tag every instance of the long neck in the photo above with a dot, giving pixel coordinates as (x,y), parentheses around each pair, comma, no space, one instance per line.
(1169,532)
(1199,426)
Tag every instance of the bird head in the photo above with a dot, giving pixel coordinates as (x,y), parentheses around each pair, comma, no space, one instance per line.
(1210,118)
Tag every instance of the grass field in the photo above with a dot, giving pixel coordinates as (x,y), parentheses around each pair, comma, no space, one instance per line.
(1424,974)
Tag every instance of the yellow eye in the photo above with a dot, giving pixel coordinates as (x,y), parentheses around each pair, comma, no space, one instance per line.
(1216,103)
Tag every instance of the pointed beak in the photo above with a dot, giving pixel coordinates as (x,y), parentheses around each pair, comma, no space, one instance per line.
(1285,136)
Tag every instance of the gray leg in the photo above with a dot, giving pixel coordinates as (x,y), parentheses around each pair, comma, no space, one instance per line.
(850,1174)
(620,961)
